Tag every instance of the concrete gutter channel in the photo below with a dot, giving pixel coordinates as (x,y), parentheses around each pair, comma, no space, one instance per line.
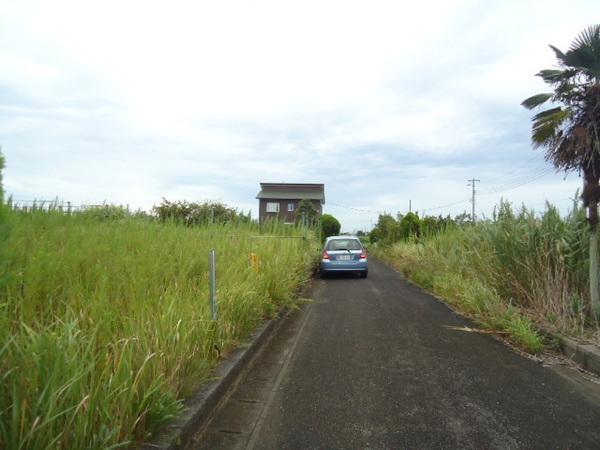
(200,406)
(587,355)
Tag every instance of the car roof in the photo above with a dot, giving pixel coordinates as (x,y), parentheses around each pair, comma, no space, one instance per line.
(341,237)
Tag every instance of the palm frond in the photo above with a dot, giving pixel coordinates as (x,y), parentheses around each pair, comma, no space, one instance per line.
(559,55)
(542,134)
(548,113)
(565,90)
(590,37)
(570,132)
(536,100)
(556,76)
(584,53)
(547,125)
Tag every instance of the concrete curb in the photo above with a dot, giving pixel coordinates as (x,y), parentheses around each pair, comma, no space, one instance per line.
(588,356)
(198,408)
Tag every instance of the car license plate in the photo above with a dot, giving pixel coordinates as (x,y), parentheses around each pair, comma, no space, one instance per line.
(344,258)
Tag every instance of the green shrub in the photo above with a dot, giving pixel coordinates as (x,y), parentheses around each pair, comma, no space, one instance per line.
(191,213)
(330,226)
(410,226)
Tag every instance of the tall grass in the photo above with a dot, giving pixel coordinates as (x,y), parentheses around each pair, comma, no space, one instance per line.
(105,324)
(515,271)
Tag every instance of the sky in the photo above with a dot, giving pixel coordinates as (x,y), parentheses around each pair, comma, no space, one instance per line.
(385,102)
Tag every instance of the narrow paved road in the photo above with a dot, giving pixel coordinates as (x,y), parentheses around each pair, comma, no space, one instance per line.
(375,364)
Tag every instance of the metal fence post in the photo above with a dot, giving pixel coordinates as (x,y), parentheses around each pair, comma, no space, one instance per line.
(212,264)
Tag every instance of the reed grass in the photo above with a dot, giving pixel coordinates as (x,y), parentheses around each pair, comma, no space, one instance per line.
(105,324)
(517,272)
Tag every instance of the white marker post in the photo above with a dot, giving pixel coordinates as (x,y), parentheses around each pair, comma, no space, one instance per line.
(212,264)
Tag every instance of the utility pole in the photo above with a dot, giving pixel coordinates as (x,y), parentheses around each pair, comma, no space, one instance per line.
(472,184)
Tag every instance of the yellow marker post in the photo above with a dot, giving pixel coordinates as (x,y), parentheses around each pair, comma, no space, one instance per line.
(255,262)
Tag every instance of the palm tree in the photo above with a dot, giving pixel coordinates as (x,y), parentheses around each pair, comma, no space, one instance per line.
(569,129)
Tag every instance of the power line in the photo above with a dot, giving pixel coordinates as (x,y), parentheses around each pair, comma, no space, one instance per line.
(518,179)
(372,211)
(445,206)
(516,184)
(369,211)
(513,171)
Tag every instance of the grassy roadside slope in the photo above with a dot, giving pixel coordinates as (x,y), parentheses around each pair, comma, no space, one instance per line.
(462,289)
(105,325)
(517,273)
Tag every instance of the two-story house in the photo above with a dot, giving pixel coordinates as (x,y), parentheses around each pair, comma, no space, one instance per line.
(280,200)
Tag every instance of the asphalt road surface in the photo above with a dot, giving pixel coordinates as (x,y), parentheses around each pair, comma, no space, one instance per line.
(376,363)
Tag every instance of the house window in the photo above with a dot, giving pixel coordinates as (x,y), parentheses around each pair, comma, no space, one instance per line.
(290,207)
(272,207)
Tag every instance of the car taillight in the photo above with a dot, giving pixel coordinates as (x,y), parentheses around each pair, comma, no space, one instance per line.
(325,255)
(363,255)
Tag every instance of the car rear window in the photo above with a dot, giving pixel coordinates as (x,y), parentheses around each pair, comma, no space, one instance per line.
(344,244)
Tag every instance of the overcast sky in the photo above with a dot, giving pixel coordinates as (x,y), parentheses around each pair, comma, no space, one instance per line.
(384,102)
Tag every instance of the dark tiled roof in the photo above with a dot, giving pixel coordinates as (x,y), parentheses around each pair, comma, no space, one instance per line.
(310,195)
(292,191)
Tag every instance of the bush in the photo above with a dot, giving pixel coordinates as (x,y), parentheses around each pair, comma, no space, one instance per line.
(191,213)
(330,226)
(410,226)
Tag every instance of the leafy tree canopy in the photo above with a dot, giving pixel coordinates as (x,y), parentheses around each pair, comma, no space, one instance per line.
(307,214)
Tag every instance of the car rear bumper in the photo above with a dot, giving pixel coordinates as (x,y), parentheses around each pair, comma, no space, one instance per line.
(343,266)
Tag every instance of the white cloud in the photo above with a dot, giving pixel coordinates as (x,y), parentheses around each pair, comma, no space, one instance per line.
(382,101)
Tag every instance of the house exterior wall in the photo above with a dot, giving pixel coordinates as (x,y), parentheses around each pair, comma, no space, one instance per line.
(284,215)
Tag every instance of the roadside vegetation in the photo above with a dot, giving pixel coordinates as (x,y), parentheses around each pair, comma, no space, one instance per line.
(105,323)
(518,273)
(330,226)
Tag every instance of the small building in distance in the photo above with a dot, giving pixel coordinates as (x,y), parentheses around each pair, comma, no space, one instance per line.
(281,200)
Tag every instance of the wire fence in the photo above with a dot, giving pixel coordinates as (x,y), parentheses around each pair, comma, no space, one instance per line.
(55,205)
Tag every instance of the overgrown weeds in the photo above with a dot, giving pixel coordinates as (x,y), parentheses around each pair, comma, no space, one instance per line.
(516,272)
(105,324)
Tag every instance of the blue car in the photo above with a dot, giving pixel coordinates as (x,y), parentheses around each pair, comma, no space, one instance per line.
(344,254)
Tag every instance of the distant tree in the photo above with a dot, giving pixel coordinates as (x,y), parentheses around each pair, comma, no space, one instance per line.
(462,219)
(569,129)
(431,225)
(386,230)
(410,226)
(330,226)
(192,213)
(307,214)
